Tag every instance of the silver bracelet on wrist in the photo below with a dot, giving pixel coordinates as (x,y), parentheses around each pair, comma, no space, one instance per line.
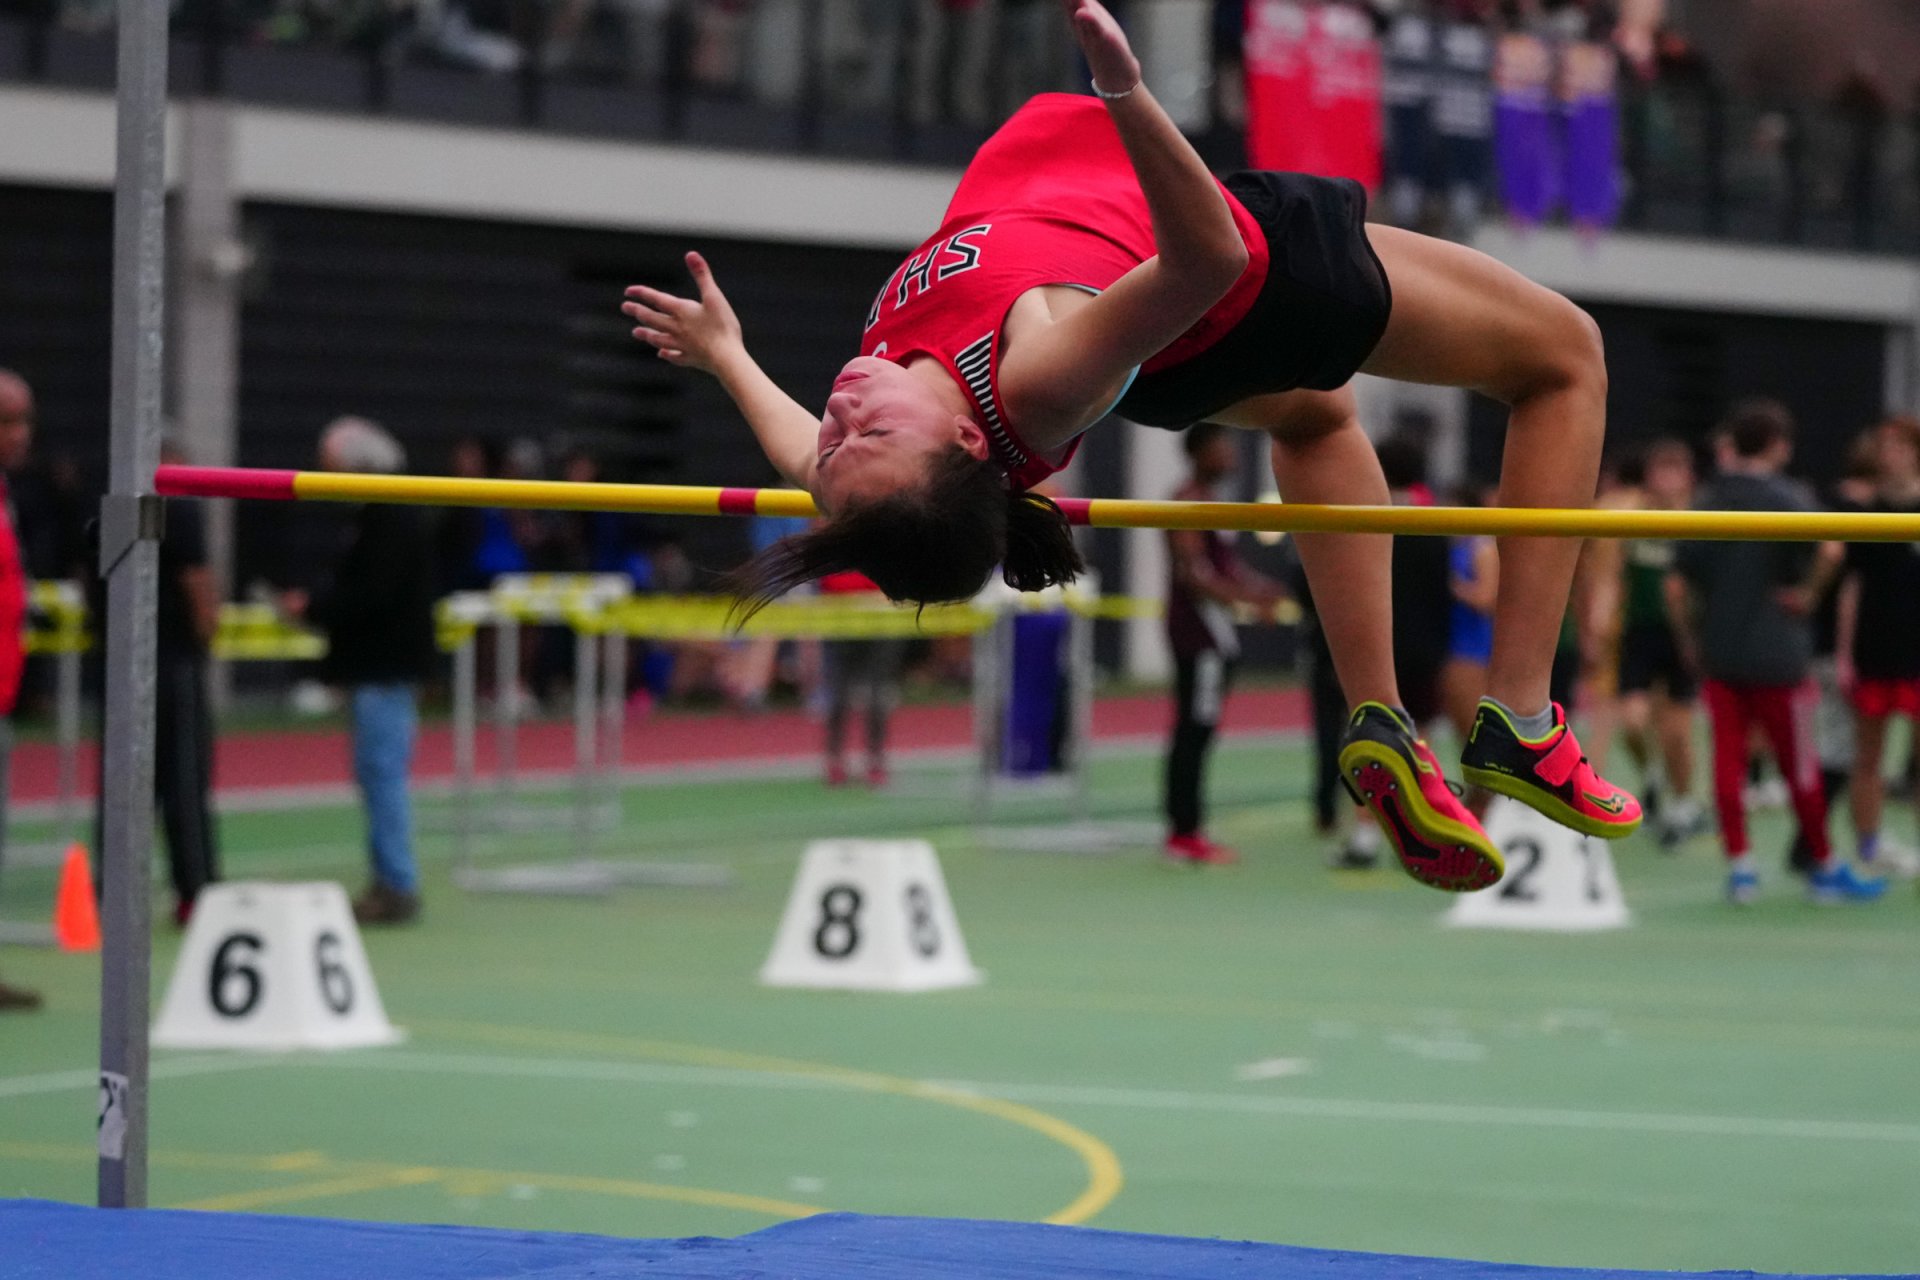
(1114,97)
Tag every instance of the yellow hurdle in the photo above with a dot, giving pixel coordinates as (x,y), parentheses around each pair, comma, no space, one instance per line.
(1100,513)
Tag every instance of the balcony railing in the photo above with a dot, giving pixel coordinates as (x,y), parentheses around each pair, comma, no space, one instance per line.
(918,81)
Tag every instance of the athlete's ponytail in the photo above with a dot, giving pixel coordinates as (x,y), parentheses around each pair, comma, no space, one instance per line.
(935,545)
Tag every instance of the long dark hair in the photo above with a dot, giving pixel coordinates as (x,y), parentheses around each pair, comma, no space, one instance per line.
(935,544)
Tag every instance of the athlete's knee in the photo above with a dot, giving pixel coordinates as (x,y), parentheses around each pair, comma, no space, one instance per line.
(1568,354)
(1309,417)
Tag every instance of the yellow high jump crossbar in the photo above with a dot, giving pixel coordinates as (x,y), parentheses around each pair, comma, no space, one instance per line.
(1098,513)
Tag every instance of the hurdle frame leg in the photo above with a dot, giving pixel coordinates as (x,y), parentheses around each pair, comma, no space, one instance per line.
(586,736)
(466,680)
(506,717)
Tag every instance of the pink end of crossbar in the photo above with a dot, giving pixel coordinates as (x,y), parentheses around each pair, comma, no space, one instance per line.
(1077,510)
(738,502)
(223,482)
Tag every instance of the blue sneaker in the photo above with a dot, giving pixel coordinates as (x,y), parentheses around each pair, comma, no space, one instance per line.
(1743,886)
(1836,883)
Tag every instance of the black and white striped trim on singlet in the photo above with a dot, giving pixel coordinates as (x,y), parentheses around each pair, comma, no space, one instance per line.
(976,366)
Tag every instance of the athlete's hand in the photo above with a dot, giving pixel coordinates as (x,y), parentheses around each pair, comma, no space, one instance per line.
(695,333)
(1109,56)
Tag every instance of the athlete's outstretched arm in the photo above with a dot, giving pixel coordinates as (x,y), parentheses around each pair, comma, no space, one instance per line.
(704,334)
(1071,368)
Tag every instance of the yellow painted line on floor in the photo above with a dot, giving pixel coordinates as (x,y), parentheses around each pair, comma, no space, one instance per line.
(659,1191)
(1104,1176)
(356,1176)
(290,1162)
(352,1184)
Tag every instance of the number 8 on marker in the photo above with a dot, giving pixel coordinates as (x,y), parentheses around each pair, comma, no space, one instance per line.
(839,933)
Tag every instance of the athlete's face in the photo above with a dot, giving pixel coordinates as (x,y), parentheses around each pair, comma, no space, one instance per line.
(882,427)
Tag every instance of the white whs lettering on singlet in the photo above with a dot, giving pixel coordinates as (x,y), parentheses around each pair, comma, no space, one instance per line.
(957,254)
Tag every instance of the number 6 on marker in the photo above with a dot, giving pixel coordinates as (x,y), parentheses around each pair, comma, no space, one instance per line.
(233,966)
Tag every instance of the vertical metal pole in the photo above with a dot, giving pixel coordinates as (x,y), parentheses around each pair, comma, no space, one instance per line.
(1080,689)
(67,731)
(586,705)
(988,711)
(613,729)
(506,711)
(466,675)
(129,558)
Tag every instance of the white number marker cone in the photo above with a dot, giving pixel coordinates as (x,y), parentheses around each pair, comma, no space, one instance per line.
(1557,879)
(272,966)
(870,915)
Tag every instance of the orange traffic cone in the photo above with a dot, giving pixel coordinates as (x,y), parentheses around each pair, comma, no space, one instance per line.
(76,917)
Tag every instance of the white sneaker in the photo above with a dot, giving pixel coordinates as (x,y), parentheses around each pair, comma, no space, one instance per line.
(1899,861)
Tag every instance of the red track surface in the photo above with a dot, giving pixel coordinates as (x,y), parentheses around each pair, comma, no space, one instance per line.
(318,758)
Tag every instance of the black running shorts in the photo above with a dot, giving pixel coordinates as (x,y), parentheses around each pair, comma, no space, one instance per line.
(1649,657)
(1321,312)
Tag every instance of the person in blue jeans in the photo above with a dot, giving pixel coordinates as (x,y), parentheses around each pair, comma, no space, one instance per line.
(377,613)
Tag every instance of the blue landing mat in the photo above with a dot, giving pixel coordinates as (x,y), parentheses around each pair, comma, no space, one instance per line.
(43,1241)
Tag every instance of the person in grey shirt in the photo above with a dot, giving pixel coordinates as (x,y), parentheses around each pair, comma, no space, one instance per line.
(1743,616)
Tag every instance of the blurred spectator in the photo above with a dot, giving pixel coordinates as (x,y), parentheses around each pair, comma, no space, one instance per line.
(463,530)
(1228,49)
(748,668)
(863,671)
(869,63)
(1741,611)
(506,535)
(16,440)
(717,60)
(1207,579)
(1879,639)
(189,614)
(1027,53)
(1329,703)
(594,541)
(1833,729)
(1658,690)
(473,34)
(377,612)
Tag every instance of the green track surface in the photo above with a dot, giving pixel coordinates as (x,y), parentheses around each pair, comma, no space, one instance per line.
(1711,1088)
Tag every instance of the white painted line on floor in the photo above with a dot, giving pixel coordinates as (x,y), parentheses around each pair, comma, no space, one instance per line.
(1452,1113)
(1364,1110)
(166,1069)
(1273,1069)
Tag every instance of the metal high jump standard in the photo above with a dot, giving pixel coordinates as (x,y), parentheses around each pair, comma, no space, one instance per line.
(130,519)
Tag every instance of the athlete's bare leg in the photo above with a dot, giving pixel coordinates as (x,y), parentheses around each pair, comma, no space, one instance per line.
(1461,319)
(1636,727)
(1320,454)
(1675,721)
(1867,793)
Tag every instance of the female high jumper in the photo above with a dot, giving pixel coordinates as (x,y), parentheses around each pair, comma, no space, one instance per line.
(1090,264)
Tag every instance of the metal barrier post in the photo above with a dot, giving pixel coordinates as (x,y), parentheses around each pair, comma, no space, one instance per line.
(613,711)
(67,734)
(506,715)
(1080,681)
(586,702)
(466,679)
(987,658)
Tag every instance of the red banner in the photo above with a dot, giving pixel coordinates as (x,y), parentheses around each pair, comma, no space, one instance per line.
(1313,90)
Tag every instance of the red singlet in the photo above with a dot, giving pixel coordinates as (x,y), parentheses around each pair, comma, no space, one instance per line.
(1051,199)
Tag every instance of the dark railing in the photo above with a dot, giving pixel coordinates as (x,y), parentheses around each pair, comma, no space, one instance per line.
(917,82)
